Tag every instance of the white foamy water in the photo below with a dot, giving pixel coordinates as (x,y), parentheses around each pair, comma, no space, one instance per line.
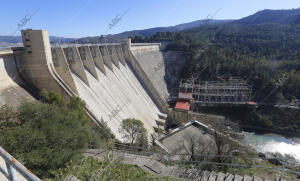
(273,144)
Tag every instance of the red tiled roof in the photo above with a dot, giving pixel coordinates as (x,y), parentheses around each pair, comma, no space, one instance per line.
(251,103)
(184,105)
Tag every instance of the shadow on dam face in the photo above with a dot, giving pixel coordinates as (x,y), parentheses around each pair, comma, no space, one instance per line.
(14,89)
(112,81)
(116,96)
(162,68)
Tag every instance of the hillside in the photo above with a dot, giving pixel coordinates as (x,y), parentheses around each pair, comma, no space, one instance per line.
(265,55)
(150,31)
(291,16)
(6,41)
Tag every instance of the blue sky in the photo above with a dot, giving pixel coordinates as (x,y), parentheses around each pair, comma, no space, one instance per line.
(79,18)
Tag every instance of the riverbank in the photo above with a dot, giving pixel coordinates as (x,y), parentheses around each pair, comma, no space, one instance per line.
(262,120)
(296,139)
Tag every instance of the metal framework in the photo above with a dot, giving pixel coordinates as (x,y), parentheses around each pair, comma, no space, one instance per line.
(13,166)
(234,91)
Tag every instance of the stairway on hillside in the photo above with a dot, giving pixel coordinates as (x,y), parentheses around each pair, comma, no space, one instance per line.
(152,165)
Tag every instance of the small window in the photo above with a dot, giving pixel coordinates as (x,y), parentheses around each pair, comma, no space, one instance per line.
(29,51)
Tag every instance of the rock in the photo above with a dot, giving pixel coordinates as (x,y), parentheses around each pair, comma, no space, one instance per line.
(72,178)
(257,178)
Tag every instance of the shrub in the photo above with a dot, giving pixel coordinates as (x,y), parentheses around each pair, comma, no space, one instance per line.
(46,136)
(133,131)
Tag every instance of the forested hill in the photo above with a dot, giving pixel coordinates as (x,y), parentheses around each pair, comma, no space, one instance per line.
(272,16)
(150,31)
(289,16)
(261,54)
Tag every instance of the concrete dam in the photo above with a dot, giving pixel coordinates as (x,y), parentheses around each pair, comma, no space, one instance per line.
(117,81)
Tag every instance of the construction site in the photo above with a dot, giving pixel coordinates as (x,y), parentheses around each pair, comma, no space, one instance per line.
(234,91)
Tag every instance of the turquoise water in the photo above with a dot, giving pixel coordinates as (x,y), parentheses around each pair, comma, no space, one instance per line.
(272,144)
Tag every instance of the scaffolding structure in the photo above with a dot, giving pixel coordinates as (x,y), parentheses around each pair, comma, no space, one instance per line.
(233,91)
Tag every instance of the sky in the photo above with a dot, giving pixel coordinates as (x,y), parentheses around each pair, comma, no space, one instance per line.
(81,18)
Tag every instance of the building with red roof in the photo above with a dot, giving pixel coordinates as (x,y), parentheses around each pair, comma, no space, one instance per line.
(184,101)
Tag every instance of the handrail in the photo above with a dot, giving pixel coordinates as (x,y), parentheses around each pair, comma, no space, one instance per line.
(12,166)
(146,152)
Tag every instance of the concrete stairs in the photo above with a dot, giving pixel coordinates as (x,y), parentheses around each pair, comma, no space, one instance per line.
(162,116)
(193,174)
(159,129)
(160,123)
(152,165)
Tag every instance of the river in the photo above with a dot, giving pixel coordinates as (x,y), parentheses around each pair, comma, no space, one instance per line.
(273,144)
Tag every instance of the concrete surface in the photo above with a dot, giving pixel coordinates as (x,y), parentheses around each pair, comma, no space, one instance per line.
(179,117)
(116,96)
(75,63)
(106,57)
(97,57)
(62,67)
(162,68)
(12,87)
(113,55)
(140,73)
(87,60)
(120,54)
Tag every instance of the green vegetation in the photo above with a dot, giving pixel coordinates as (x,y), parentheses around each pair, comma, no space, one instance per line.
(47,135)
(48,138)
(261,54)
(91,169)
(267,56)
(134,132)
(264,119)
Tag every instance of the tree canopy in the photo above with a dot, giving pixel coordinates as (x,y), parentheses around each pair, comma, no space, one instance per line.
(46,136)
(133,131)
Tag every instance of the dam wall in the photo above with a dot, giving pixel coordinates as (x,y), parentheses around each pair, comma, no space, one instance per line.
(145,80)
(117,81)
(97,58)
(101,75)
(13,88)
(106,57)
(144,47)
(62,67)
(161,67)
(36,63)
